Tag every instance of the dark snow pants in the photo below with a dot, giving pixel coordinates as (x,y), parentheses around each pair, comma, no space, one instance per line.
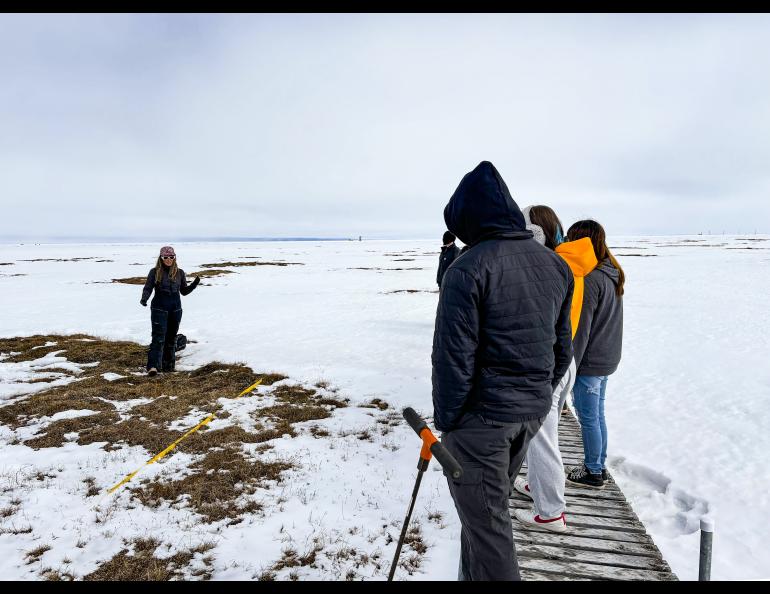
(165,325)
(491,454)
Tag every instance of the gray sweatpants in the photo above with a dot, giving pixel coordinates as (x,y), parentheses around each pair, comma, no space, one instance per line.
(545,471)
(491,454)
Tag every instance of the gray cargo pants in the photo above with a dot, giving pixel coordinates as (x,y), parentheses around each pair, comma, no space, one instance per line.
(491,454)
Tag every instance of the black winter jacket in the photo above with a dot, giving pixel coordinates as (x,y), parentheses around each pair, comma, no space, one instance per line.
(448,255)
(503,334)
(599,338)
(167,292)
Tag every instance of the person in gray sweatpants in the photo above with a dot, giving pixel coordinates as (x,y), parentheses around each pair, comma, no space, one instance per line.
(545,471)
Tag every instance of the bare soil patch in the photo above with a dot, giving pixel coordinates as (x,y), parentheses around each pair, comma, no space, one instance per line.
(232,264)
(65,259)
(379,268)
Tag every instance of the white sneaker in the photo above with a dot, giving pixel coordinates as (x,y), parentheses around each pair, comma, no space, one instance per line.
(521,485)
(528,516)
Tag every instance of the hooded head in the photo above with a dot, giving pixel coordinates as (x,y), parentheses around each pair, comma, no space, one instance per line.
(447,238)
(482,207)
(607,262)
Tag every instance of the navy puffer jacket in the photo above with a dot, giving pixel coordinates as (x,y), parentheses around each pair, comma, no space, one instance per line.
(503,336)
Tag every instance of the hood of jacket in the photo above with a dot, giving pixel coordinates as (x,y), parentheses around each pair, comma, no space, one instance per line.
(482,207)
(579,254)
(607,268)
(537,230)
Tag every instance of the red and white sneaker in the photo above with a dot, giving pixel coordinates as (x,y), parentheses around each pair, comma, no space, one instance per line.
(528,516)
(521,485)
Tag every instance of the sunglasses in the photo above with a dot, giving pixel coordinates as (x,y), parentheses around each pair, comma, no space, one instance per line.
(168,257)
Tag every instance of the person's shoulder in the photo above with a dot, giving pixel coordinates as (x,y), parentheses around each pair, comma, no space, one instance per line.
(152,271)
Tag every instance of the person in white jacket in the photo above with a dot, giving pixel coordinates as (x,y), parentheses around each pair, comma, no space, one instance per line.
(545,472)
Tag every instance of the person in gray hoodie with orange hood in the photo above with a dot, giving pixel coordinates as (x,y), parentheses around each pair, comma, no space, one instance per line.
(598,345)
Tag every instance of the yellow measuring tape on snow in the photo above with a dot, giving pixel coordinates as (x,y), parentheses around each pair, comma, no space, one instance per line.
(159,456)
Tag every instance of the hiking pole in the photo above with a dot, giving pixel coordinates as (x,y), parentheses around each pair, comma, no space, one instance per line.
(430,447)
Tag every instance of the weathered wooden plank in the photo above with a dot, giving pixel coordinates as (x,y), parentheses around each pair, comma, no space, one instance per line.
(614,504)
(573,540)
(534,575)
(591,557)
(609,487)
(605,494)
(609,523)
(622,524)
(601,511)
(587,570)
(587,532)
(582,510)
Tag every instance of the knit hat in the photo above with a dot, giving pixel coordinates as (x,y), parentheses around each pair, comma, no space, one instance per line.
(167,250)
(537,230)
(448,237)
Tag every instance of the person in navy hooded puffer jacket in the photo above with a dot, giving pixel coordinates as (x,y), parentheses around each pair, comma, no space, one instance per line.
(501,343)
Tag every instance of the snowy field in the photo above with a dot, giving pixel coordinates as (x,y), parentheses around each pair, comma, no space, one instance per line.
(688,413)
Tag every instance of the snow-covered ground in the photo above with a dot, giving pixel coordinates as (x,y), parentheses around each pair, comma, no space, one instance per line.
(687,410)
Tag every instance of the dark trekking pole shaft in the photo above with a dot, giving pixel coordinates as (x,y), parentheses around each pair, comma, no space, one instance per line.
(422,466)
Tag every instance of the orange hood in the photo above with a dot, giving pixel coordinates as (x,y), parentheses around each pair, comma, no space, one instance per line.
(579,256)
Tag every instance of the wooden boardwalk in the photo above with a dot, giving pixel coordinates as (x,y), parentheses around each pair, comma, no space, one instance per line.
(605,539)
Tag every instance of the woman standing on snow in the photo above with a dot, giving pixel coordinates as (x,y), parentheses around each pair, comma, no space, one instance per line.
(597,346)
(168,281)
(545,471)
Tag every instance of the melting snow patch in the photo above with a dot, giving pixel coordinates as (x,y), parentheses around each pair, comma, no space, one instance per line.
(43,346)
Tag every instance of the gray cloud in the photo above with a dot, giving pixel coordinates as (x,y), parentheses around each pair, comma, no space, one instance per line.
(364,124)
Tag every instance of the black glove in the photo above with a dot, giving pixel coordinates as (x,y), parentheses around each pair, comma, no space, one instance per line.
(196,280)
(143,302)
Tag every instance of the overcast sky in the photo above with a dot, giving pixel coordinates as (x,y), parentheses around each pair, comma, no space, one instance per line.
(174,126)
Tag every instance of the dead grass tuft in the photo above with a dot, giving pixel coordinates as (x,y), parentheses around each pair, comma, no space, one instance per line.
(143,565)
(413,538)
(376,403)
(55,575)
(266,576)
(294,414)
(35,554)
(319,432)
(16,531)
(217,480)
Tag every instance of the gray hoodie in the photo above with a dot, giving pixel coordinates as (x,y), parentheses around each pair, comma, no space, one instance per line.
(599,336)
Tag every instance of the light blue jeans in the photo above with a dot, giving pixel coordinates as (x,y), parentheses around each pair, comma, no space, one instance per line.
(588,400)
